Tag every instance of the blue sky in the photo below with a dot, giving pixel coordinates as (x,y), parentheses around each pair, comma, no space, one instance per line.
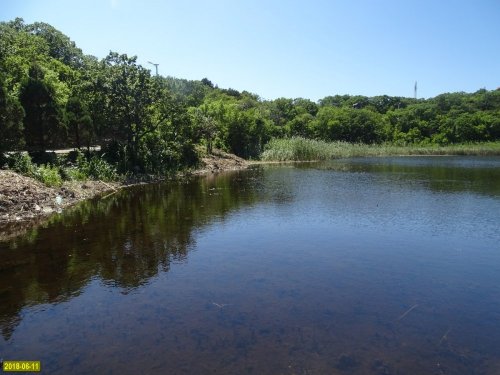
(307,49)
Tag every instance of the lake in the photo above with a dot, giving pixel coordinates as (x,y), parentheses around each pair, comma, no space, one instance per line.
(356,266)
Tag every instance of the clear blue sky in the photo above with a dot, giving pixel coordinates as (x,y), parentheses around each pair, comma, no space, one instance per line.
(292,49)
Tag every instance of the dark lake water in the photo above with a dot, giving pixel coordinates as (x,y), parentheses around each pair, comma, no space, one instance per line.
(361,266)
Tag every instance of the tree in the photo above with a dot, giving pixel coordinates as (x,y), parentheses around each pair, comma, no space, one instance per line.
(207,82)
(79,121)
(60,46)
(282,110)
(129,97)
(42,121)
(347,124)
(305,106)
(169,146)
(207,126)
(11,122)
(299,126)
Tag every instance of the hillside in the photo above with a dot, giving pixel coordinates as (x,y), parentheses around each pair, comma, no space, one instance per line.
(52,95)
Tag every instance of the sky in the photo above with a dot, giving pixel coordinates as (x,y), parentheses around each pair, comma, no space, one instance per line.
(286,48)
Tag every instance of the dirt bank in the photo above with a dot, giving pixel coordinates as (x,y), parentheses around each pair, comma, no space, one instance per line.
(220,161)
(24,200)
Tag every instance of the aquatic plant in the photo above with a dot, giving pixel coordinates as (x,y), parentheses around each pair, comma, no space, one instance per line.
(302,149)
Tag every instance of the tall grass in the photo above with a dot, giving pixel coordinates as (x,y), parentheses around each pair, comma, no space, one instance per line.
(46,173)
(302,149)
(95,168)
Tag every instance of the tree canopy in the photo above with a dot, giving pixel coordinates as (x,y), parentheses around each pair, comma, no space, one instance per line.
(53,95)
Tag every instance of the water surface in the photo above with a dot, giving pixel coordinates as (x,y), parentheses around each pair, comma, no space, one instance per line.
(358,266)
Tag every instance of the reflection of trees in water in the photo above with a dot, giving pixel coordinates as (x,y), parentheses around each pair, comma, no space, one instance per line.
(439,176)
(124,240)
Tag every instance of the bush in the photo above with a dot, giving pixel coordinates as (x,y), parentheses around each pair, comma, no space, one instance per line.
(44,157)
(73,174)
(48,174)
(95,168)
(20,162)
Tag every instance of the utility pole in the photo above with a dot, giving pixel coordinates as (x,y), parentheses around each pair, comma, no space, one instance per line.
(415,90)
(156,66)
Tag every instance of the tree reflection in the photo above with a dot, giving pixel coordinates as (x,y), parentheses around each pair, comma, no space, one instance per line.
(123,240)
(445,175)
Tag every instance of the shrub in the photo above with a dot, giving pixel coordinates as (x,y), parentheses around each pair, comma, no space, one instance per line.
(73,174)
(20,162)
(48,174)
(44,157)
(95,168)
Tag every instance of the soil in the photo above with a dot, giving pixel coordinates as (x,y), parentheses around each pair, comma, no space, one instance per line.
(220,161)
(25,201)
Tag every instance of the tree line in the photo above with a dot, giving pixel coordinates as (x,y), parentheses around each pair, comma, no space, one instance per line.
(52,95)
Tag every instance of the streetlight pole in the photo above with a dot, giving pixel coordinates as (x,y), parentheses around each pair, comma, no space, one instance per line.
(156,66)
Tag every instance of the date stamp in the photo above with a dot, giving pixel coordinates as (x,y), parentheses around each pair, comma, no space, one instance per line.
(21,366)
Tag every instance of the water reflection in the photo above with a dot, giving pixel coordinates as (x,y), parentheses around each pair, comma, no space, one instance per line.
(362,266)
(124,240)
(441,173)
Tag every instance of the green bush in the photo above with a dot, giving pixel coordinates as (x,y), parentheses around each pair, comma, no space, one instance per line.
(48,174)
(20,162)
(95,168)
(73,174)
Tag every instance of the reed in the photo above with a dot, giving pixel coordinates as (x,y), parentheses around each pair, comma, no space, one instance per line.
(302,149)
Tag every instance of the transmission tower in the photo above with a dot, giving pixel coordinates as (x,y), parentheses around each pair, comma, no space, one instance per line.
(415,90)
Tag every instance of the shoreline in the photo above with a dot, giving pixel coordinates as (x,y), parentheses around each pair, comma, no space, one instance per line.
(26,202)
(297,148)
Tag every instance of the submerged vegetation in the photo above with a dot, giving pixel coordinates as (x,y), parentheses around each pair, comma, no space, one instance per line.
(54,96)
(302,149)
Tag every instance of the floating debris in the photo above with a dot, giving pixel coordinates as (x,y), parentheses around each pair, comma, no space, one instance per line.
(445,336)
(408,311)
(220,305)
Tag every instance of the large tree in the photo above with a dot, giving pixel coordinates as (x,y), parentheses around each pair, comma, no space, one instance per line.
(129,96)
(42,120)
(11,122)
(79,122)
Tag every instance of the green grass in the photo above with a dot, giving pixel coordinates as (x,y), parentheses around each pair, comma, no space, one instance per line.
(95,168)
(301,149)
(48,174)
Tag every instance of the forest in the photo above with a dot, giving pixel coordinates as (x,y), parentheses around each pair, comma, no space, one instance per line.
(53,96)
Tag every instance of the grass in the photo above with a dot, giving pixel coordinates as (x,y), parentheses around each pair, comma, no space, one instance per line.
(48,174)
(302,149)
(53,175)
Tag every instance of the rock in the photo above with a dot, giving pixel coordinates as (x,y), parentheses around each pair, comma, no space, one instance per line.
(37,207)
(47,210)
